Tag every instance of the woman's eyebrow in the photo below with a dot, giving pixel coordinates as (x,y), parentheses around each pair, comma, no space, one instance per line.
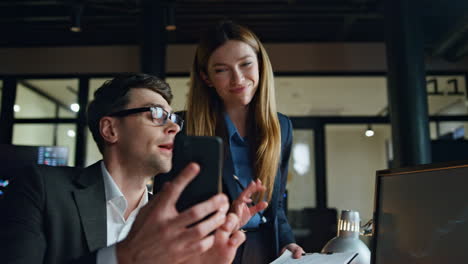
(223,64)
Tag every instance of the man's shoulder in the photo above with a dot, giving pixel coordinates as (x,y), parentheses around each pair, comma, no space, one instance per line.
(38,180)
(59,174)
(60,181)
(55,175)
(56,170)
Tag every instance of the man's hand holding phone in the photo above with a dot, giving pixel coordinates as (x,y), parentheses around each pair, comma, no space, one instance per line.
(207,152)
(160,234)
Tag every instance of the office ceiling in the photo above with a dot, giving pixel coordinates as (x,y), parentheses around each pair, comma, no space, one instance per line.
(117,22)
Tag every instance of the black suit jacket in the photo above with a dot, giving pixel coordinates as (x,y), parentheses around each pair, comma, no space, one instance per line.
(53,215)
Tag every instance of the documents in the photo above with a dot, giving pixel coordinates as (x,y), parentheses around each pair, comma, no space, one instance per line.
(316,258)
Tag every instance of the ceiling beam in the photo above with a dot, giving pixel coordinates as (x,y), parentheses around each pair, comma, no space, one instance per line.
(443,8)
(346,29)
(452,45)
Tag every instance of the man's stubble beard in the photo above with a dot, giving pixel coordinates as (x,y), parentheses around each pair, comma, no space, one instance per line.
(160,164)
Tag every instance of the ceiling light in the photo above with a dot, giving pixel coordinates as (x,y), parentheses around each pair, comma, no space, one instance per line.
(170,18)
(369,132)
(71,133)
(75,107)
(171,27)
(16,108)
(76,13)
(75,29)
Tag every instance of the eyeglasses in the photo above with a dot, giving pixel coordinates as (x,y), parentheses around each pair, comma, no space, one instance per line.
(159,115)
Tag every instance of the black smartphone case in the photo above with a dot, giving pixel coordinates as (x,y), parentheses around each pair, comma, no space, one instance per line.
(208,153)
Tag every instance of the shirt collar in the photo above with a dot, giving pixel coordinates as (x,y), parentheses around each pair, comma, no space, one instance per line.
(110,187)
(113,193)
(231,128)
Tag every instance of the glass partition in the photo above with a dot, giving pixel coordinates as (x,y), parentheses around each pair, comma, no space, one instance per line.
(47,135)
(301,176)
(352,160)
(180,88)
(46,98)
(301,179)
(446,95)
(331,96)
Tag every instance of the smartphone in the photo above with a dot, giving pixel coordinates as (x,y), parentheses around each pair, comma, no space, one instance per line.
(208,153)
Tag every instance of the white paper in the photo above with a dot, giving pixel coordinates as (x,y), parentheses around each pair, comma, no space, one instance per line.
(315,258)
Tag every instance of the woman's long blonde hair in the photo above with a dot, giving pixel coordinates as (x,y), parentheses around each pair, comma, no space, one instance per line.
(205,107)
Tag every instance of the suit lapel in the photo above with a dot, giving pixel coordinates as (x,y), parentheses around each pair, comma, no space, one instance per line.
(91,203)
(274,198)
(271,211)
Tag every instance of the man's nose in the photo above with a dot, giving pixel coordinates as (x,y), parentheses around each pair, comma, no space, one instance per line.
(172,127)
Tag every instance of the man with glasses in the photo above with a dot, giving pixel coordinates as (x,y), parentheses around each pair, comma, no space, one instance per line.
(102,214)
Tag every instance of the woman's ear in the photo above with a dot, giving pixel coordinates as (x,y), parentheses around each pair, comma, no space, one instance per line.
(108,129)
(205,78)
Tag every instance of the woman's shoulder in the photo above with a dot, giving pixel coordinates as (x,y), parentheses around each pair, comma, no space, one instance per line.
(283,118)
(285,124)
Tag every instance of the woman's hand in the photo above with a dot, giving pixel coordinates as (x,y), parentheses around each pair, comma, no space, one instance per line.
(295,249)
(227,240)
(240,206)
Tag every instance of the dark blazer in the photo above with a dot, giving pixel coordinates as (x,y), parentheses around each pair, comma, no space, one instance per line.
(277,224)
(53,215)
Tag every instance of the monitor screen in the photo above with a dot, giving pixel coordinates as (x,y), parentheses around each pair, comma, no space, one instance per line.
(421,215)
(14,157)
(52,156)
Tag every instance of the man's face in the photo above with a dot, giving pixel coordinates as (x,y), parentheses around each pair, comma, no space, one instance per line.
(143,144)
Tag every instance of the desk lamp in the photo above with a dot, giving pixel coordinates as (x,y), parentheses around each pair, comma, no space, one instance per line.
(347,239)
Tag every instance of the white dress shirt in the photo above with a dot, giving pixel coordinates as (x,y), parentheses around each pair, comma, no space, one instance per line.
(117,226)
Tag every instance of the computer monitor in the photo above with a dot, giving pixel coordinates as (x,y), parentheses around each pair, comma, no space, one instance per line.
(13,158)
(421,215)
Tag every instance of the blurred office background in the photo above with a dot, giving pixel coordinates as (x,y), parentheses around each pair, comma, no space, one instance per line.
(330,63)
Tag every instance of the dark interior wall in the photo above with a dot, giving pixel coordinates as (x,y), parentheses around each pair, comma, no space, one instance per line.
(297,57)
(58,60)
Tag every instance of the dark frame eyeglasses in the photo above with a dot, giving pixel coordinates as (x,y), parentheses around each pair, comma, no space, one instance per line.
(158,114)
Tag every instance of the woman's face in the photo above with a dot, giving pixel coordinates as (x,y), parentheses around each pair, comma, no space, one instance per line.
(233,72)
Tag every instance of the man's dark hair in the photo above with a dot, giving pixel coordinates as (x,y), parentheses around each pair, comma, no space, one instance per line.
(112,96)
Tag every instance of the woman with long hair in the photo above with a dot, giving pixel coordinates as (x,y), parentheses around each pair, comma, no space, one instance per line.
(232,95)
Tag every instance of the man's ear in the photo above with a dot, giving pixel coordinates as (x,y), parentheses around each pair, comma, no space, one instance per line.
(108,129)
(205,78)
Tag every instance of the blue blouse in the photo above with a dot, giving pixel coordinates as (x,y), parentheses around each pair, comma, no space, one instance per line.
(241,158)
